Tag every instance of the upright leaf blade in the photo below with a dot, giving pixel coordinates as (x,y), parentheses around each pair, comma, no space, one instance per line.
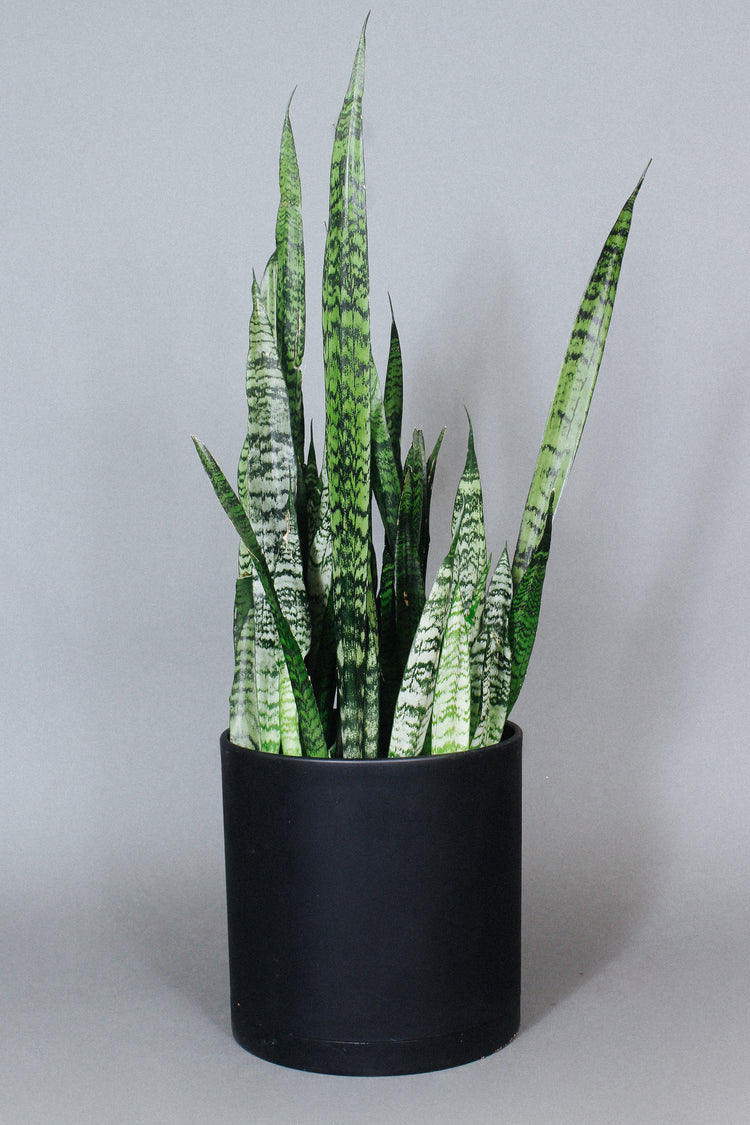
(415,701)
(393,395)
(347,362)
(524,609)
(496,657)
(386,479)
(311,731)
(267,483)
(451,710)
(243,703)
(290,283)
(575,387)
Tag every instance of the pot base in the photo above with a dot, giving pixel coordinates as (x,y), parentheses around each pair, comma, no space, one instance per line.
(387,1057)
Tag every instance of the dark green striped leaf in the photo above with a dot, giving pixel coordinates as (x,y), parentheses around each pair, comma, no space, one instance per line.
(347,362)
(290,283)
(575,387)
(408,580)
(524,609)
(393,395)
(386,481)
(424,538)
(495,657)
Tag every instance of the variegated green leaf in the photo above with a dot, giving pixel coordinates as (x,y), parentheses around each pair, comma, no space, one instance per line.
(451,711)
(270,474)
(496,657)
(575,387)
(268,293)
(290,283)
(348,362)
(243,704)
(409,583)
(288,722)
(424,538)
(386,481)
(524,609)
(471,548)
(311,732)
(475,625)
(413,711)
(393,394)
(372,682)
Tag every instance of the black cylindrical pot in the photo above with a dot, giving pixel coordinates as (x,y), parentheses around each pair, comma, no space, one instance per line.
(374,907)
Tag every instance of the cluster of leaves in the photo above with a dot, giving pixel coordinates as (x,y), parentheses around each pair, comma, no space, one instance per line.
(332,658)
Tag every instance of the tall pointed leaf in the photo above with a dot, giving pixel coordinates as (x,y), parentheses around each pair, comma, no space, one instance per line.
(311,732)
(424,538)
(243,704)
(471,548)
(386,479)
(496,657)
(393,394)
(451,712)
(270,475)
(575,387)
(415,701)
(290,283)
(268,292)
(347,362)
(524,609)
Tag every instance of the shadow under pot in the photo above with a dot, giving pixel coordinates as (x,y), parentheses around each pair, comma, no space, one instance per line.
(374,907)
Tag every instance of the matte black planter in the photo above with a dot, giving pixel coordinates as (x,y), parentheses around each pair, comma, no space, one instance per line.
(374,907)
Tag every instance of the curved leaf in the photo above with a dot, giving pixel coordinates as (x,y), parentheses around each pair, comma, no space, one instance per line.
(414,705)
(524,609)
(311,732)
(575,387)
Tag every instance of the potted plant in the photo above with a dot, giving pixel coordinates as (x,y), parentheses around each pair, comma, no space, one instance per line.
(371,776)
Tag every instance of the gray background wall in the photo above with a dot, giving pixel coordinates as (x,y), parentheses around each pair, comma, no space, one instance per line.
(139,190)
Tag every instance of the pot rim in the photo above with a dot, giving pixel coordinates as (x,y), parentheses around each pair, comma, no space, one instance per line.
(511,735)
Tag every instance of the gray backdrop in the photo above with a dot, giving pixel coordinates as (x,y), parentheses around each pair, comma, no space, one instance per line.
(139,190)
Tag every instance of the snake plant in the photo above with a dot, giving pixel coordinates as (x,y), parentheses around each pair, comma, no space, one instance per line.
(337,652)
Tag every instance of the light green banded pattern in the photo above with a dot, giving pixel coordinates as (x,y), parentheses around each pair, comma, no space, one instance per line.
(524,609)
(270,478)
(416,698)
(243,703)
(452,707)
(496,657)
(311,731)
(575,386)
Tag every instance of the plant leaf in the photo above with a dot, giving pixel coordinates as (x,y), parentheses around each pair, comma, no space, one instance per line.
(414,705)
(496,657)
(268,292)
(471,548)
(267,480)
(311,731)
(424,538)
(243,704)
(386,482)
(524,609)
(575,387)
(452,707)
(347,362)
(290,283)
(393,395)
